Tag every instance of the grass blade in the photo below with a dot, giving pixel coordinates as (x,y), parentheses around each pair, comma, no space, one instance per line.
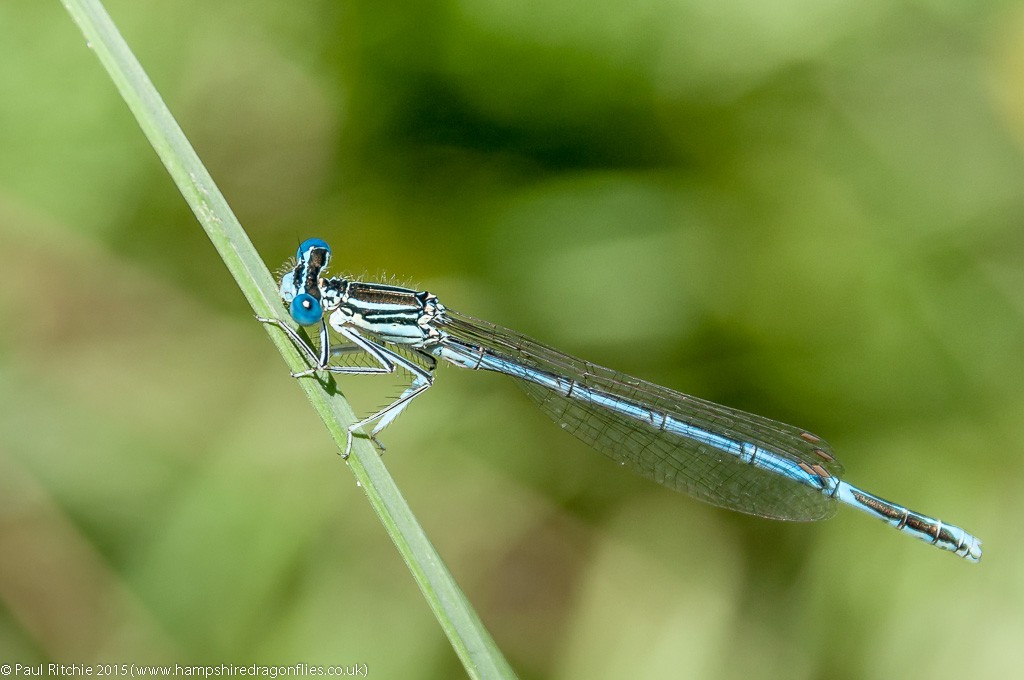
(471,641)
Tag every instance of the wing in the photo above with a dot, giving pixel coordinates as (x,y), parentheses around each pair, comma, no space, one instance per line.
(632,432)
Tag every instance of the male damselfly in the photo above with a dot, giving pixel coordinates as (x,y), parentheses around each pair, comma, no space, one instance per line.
(714,453)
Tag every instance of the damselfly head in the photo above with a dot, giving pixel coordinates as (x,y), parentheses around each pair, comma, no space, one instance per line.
(300,285)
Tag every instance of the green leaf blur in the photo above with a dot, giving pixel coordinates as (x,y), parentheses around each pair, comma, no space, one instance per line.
(810,210)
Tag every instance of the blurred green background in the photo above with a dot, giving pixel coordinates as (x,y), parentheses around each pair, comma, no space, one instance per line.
(811,210)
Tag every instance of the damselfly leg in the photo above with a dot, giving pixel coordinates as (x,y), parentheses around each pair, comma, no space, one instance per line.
(387,359)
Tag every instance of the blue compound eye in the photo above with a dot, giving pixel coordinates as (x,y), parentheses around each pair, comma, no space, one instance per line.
(306,309)
(308,245)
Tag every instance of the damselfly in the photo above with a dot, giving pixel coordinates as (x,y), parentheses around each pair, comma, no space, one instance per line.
(716,454)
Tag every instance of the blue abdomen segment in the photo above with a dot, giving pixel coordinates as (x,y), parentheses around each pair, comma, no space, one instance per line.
(923,527)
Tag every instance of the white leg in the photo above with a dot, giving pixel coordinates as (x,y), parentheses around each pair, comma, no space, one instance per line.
(422,378)
(321,361)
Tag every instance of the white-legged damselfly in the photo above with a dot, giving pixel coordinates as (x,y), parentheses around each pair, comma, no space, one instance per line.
(714,453)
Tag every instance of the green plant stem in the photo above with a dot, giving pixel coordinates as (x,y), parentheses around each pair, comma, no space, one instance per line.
(471,641)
